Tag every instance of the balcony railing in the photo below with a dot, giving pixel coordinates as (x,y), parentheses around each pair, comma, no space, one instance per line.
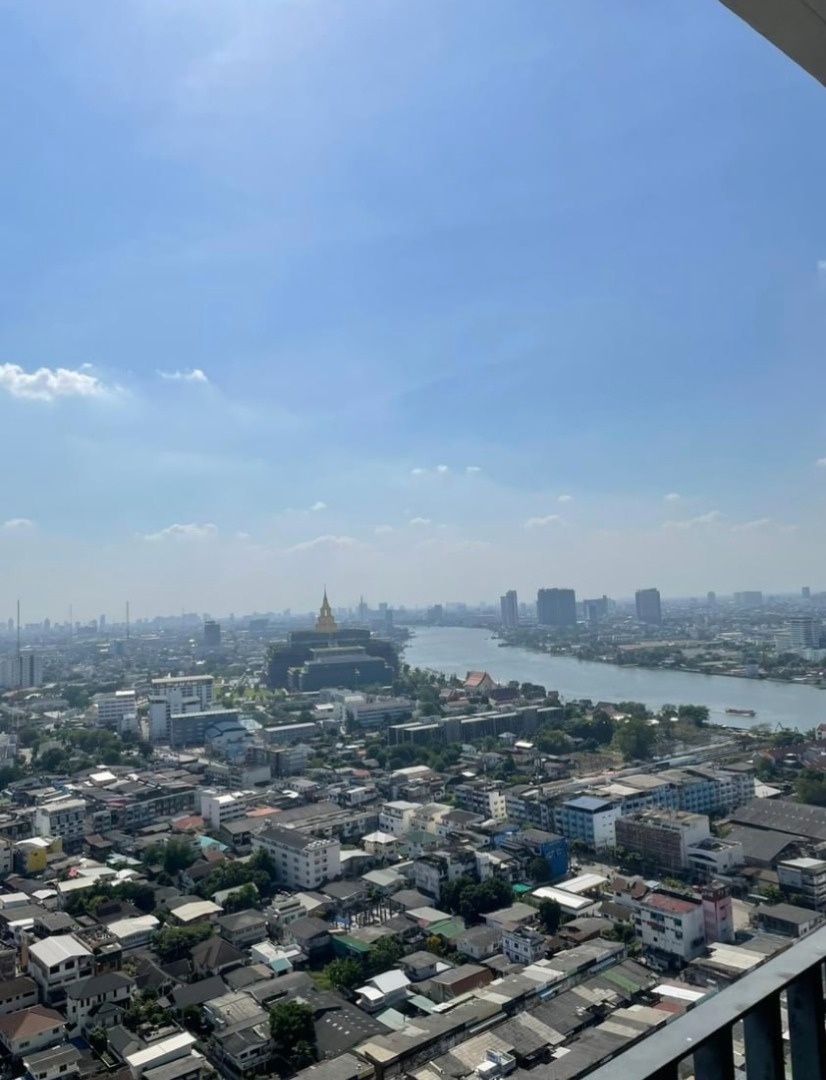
(705,1033)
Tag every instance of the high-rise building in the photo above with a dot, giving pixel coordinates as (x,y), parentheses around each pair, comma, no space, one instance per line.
(711,597)
(804,632)
(649,609)
(750,599)
(806,592)
(21,671)
(509,606)
(556,607)
(592,610)
(212,634)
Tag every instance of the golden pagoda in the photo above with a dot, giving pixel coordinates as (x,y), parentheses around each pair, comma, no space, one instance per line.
(326,622)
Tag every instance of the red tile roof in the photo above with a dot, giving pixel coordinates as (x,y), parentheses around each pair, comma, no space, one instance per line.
(672,904)
(29,1022)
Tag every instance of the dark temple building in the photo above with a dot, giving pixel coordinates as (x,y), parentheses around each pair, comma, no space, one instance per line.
(330,657)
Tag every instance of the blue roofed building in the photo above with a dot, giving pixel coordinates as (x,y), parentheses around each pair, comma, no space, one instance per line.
(589,819)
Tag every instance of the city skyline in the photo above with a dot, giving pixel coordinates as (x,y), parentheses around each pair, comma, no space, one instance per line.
(292,295)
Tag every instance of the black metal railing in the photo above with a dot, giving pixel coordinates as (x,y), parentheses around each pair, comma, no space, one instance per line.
(705,1032)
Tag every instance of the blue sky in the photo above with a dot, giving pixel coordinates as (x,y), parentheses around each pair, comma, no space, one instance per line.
(425,300)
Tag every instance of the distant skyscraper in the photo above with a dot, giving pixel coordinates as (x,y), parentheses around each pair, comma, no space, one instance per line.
(212,634)
(712,598)
(102,623)
(806,592)
(749,599)
(804,632)
(592,610)
(556,607)
(510,609)
(649,609)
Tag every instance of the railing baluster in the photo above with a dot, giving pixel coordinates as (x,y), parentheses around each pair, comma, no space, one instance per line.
(714,1059)
(804,998)
(763,1032)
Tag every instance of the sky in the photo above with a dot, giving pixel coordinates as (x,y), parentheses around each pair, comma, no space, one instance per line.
(423,300)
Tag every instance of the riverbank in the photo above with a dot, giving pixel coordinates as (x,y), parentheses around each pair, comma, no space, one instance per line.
(457,650)
(788,681)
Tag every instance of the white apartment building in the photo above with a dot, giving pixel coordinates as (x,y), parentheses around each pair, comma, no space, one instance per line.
(63,817)
(175,696)
(522,945)
(220,807)
(368,712)
(397,817)
(302,861)
(85,997)
(118,711)
(56,962)
(671,924)
(804,876)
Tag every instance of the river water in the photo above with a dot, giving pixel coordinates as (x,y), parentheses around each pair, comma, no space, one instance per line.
(455,651)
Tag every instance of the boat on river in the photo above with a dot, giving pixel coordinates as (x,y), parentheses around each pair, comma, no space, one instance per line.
(741,712)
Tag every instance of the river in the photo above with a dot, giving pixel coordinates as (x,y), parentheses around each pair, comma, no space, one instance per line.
(455,651)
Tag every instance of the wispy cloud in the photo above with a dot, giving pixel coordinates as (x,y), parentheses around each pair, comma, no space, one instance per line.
(672,497)
(419,522)
(543,522)
(190,531)
(711,518)
(319,505)
(20,524)
(442,468)
(821,463)
(328,540)
(193,375)
(565,499)
(383,530)
(753,526)
(472,469)
(418,471)
(47,384)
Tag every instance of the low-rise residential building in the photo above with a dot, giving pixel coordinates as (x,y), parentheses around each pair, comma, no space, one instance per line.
(383,991)
(153,1055)
(243,928)
(17,994)
(85,998)
(714,856)
(805,877)
(301,861)
(134,931)
(396,817)
(59,1063)
(56,962)
(522,945)
(195,911)
(671,924)
(787,919)
(31,1029)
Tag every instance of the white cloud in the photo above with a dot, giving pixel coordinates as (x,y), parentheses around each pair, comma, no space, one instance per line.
(319,505)
(383,530)
(46,384)
(17,525)
(565,499)
(242,536)
(710,518)
(821,463)
(328,540)
(418,471)
(542,522)
(753,526)
(193,375)
(419,521)
(442,468)
(472,469)
(191,531)
(672,496)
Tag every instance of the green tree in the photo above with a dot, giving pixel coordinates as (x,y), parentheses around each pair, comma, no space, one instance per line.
(178,854)
(538,870)
(175,942)
(696,714)
(241,899)
(550,915)
(344,974)
(772,894)
(385,953)
(635,739)
(293,1032)
(810,787)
